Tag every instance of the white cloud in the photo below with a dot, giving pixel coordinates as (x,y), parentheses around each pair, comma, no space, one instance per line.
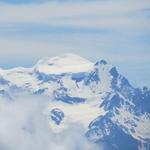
(24,126)
(83,14)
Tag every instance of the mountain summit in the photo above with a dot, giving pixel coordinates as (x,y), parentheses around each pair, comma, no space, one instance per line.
(95,95)
(64,64)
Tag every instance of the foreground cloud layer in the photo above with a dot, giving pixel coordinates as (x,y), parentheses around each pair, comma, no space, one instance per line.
(24,125)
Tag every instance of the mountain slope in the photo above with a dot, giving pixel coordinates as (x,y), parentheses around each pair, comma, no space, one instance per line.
(81,91)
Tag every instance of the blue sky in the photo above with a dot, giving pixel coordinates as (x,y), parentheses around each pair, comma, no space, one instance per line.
(118,31)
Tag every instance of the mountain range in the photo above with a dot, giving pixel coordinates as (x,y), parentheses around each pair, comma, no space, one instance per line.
(95,95)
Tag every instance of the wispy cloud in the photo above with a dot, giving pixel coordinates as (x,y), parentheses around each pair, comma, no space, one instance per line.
(114,14)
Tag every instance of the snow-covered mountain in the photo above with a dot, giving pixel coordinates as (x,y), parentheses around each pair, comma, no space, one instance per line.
(95,95)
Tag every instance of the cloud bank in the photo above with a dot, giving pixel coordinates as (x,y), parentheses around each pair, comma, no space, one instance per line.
(24,126)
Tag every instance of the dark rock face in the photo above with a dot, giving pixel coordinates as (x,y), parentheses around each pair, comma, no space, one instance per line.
(45,78)
(114,72)
(141,99)
(111,135)
(111,102)
(61,95)
(40,91)
(57,115)
(103,62)
(78,76)
(92,77)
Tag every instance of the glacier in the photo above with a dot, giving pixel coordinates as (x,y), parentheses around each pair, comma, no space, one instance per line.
(93,95)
